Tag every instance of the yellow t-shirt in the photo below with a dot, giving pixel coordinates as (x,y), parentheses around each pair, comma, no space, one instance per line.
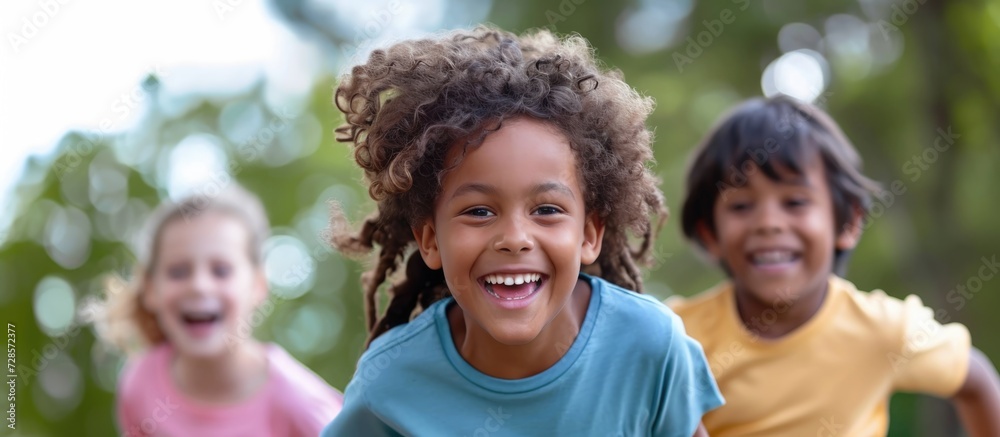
(831,376)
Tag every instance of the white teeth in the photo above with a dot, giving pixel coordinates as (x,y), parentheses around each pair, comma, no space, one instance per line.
(772,257)
(518,279)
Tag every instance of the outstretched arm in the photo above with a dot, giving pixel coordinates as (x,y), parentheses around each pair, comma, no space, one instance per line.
(978,401)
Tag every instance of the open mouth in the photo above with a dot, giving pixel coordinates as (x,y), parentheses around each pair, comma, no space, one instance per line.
(200,319)
(774,257)
(513,287)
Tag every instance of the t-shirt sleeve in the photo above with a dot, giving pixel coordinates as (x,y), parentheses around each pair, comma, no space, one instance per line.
(928,357)
(689,389)
(356,418)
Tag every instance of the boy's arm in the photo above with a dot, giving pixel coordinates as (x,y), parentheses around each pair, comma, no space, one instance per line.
(978,400)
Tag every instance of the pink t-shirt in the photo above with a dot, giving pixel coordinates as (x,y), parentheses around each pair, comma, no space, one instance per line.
(293,402)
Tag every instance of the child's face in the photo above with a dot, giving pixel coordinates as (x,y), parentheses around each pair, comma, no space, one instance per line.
(204,285)
(777,238)
(512,212)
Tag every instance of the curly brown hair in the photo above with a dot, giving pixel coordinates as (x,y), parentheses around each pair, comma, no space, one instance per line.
(410,103)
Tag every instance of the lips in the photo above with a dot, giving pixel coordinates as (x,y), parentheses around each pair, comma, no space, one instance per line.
(773,257)
(512,279)
(513,290)
(774,261)
(200,323)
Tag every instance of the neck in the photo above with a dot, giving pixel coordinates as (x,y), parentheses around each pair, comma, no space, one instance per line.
(773,320)
(230,377)
(499,360)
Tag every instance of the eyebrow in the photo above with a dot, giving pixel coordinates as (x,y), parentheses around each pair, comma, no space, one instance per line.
(491,190)
(553,186)
(474,188)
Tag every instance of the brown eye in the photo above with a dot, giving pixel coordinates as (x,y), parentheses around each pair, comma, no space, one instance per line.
(547,210)
(739,206)
(478,212)
(178,272)
(796,203)
(221,271)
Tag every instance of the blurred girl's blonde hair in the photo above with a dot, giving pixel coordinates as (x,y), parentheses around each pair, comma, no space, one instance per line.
(121,319)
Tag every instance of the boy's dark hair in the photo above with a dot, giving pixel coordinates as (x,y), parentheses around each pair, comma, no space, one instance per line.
(776,134)
(408,104)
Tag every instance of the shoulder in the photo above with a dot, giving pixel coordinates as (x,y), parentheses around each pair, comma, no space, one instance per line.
(301,382)
(885,318)
(703,312)
(142,369)
(408,346)
(301,394)
(656,339)
(417,331)
(706,304)
(876,305)
(621,305)
(623,313)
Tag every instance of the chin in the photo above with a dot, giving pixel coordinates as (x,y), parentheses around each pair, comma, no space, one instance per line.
(514,337)
(202,349)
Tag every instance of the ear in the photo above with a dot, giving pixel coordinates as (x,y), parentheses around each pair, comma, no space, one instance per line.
(593,238)
(850,234)
(427,243)
(708,239)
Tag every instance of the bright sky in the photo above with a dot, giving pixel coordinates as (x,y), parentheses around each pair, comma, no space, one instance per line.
(68,64)
(74,65)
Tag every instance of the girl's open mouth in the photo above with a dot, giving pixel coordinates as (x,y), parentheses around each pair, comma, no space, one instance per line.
(512,287)
(200,323)
(513,290)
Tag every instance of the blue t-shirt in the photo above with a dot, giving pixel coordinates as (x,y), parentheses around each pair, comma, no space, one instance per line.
(630,371)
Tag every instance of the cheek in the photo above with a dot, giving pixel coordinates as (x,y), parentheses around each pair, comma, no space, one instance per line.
(457,273)
(161,296)
(729,232)
(565,241)
(245,295)
(821,229)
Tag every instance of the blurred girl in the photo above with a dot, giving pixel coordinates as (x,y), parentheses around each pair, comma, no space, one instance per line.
(189,311)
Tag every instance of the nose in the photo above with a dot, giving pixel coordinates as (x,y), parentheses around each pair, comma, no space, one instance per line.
(769,218)
(513,238)
(201,280)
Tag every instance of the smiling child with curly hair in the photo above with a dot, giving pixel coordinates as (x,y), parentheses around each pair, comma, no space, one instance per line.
(515,205)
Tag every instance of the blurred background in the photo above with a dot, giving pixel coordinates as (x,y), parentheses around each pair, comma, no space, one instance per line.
(109,107)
